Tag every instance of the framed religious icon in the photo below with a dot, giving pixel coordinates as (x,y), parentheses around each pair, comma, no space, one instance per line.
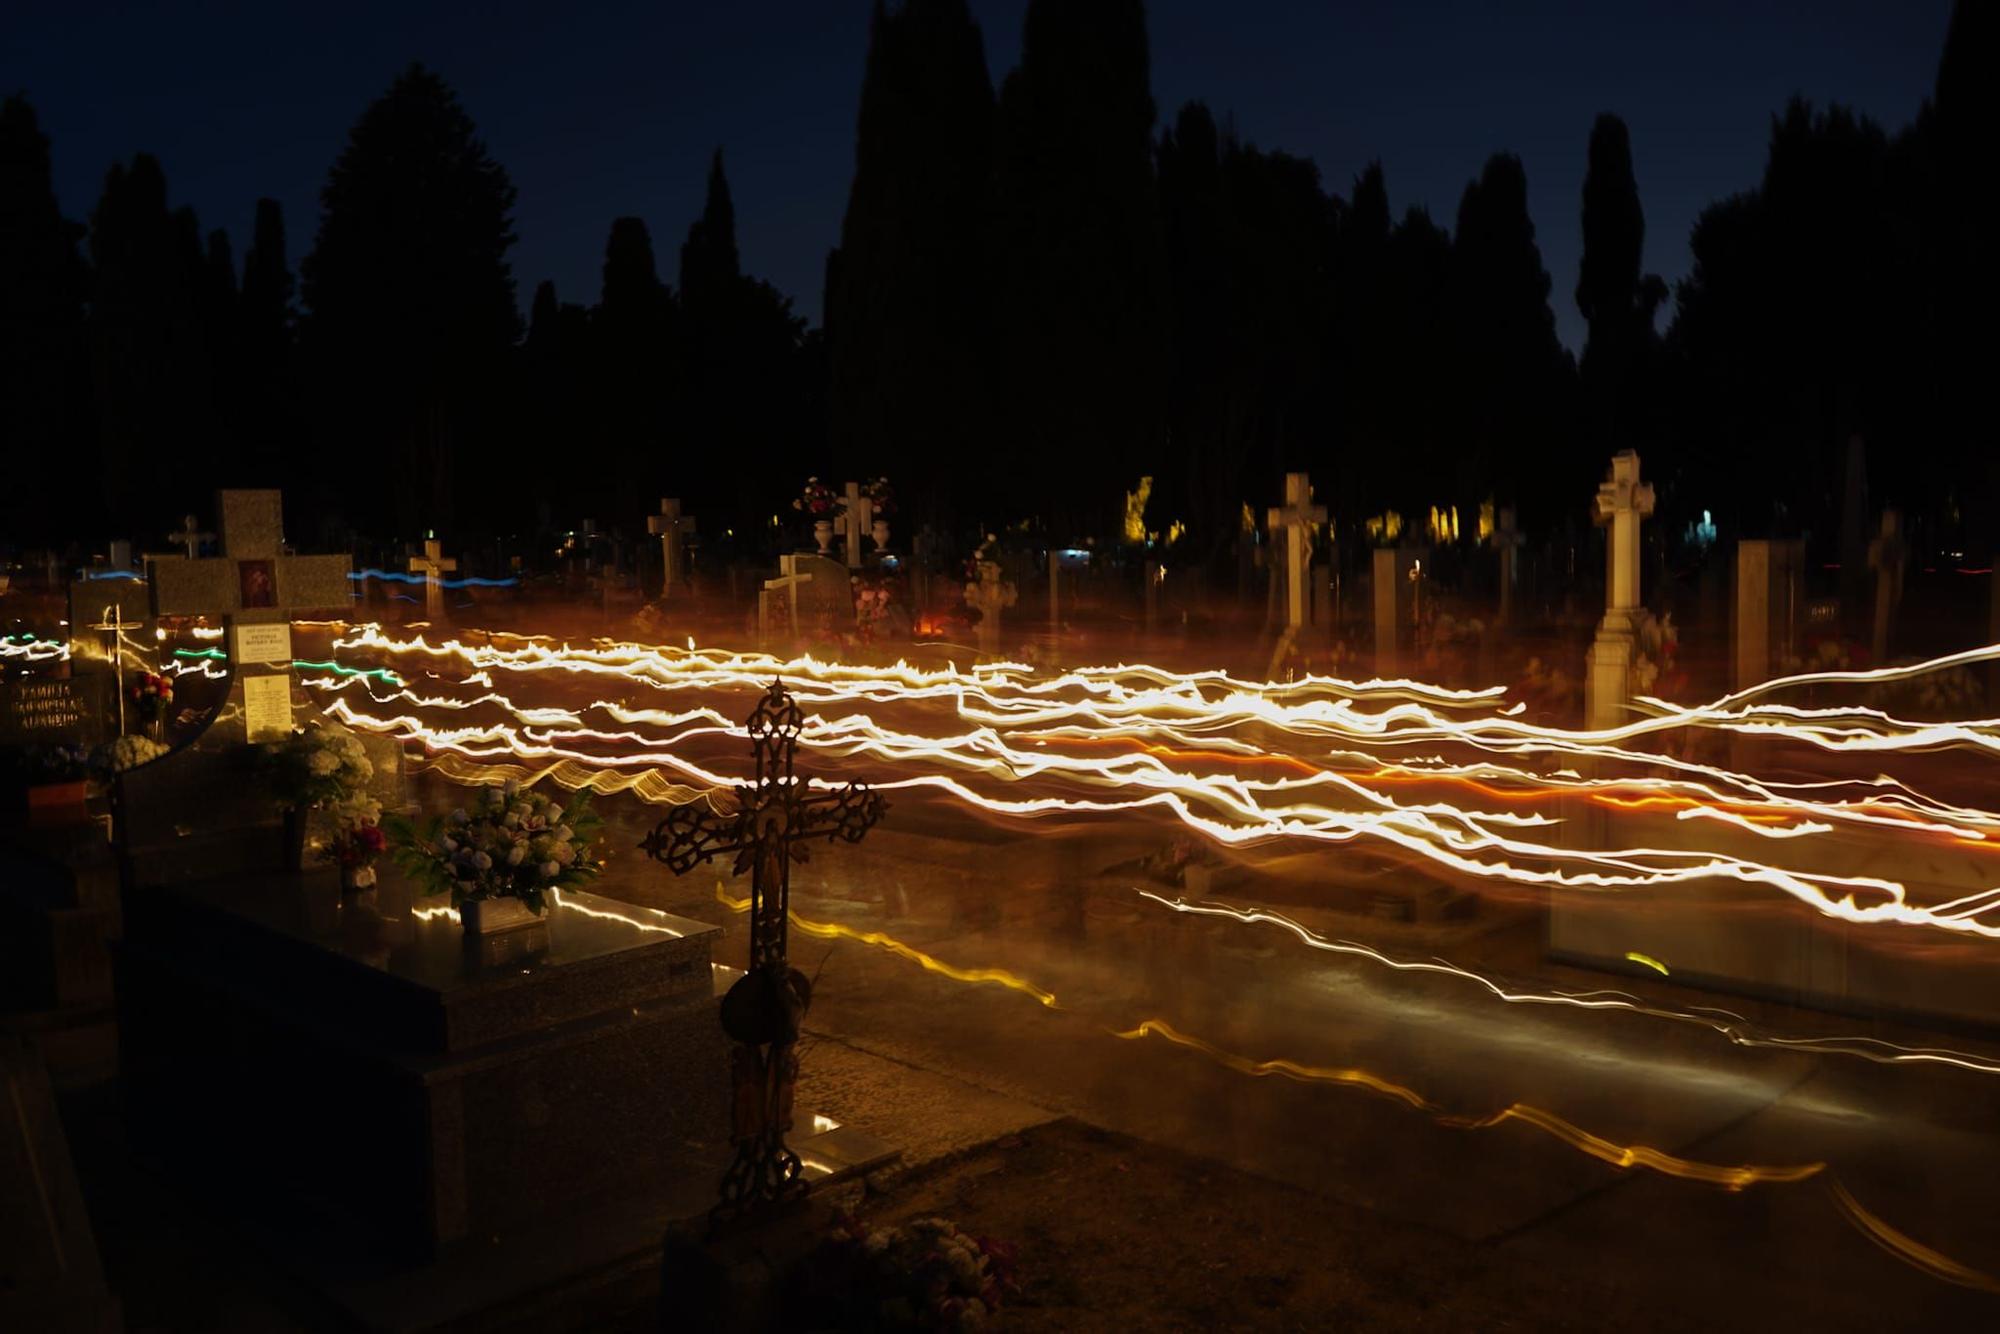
(258,583)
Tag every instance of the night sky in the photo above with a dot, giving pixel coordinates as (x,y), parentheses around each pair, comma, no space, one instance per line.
(603,110)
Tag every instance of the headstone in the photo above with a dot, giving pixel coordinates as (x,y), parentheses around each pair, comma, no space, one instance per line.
(1398,578)
(825,601)
(255,588)
(989,595)
(121,554)
(1296,519)
(857,518)
(79,709)
(782,591)
(1508,540)
(1769,593)
(1886,556)
(433,565)
(671,527)
(1623,501)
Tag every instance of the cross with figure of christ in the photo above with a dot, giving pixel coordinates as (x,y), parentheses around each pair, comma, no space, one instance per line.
(433,565)
(668,525)
(766,827)
(190,536)
(1296,519)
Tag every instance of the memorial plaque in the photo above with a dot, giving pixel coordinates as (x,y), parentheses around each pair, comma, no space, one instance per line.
(79,709)
(264,641)
(267,706)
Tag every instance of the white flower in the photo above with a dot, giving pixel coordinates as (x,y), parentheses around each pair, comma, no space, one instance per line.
(321,764)
(562,833)
(511,820)
(364,877)
(564,853)
(553,813)
(459,816)
(482,861)
(511,787)
(550,870)
(448,843)
(517,854)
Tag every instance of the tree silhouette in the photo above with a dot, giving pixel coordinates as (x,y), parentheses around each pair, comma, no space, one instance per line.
(1077,265)
(267,410)
(635,368)
(43,395)
(906,297)
(410,298)
(1618,305)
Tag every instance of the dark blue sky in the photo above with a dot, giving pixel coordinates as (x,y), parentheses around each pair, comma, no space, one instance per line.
(602,110)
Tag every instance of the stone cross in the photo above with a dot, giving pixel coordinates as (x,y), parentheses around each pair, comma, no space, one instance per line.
(433,565)
(1508,540)
(765,828)
(190,536)
(857,519)
(1295,519)
(669,525)
(787,582)
(1886,556)
(1622,501)
(988,597)
(255,587)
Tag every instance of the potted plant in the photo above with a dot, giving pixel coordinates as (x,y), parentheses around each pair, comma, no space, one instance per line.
(500,859)
(926,1274)
(819,503)
(316,767)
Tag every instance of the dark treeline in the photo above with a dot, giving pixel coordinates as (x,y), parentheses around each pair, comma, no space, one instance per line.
(1039,296)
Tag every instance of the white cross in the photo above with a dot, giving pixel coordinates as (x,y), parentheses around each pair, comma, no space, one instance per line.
(787,582)
(190,536)
(1295,520)
(432,565)
(988,597)
(668,525)
(853,521)
(1622,501)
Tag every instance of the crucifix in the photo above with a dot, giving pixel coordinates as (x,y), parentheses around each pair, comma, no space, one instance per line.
(255,587)
(766,827)
(114,625)
(669,525)
(433,565)
(190,536)
(787,583)
(1886,555)
(856,518)
(1296,518)
(989,597)
(1622,501)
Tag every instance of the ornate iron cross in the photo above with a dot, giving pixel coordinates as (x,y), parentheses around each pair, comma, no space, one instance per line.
(767,829)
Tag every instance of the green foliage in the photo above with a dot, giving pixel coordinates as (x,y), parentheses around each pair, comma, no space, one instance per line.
(511,843)
(317,765)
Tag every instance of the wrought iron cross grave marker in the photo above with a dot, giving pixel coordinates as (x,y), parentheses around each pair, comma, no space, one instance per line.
(767,830)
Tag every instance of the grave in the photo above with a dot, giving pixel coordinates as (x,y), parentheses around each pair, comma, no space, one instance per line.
(359,1064)
(672,528)
(856,519)
(255,587)
(1398,575)
(1622,502)
(1770,592)
(433,565)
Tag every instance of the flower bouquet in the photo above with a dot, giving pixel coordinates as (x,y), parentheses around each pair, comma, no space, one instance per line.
(818,501)
(511,844)
(924,1275)
(314,768)
(358,840)
(125,752)
(152,695)
(881,497)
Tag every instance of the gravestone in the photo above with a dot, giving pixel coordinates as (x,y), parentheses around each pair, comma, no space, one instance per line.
(1886,556)
(1769,602)
(856,519)
(1398,575)
(47,710)
(1296,520)
(825,601)
(1508,540)
(780,595)
(433,565)
(672,528)
(1622,502)
(255,588)
(189,537)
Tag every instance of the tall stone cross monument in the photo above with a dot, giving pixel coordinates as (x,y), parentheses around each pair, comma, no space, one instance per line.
(256,588)
(1507,539)
(1295,519)
(764,828)
(433,565)
(670,526)
(1887,555)
(856,518)
(1622,501)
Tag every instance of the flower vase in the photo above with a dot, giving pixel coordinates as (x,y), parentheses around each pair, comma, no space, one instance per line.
(489,917)
(293,847)
(880,533)
(823,534)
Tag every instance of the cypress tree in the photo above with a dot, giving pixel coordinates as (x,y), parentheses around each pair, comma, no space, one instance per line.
(43,391)
(1617,304)
(410,297)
